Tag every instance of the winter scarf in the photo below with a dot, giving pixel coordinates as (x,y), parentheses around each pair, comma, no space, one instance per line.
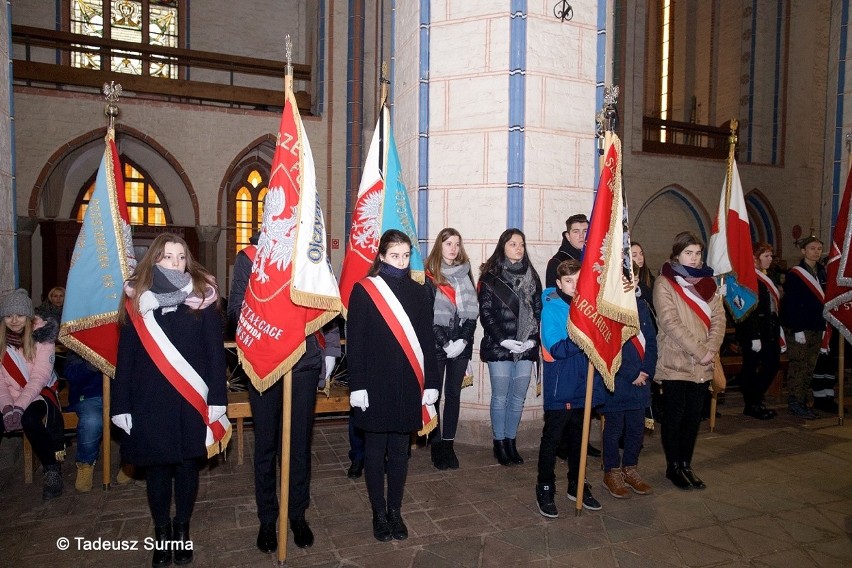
(467,304)
(700,279)
(520,279)
(171,288)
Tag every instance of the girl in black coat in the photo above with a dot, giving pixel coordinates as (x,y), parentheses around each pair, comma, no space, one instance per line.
(456,309)
(171,303)
(390,387)
(510,312)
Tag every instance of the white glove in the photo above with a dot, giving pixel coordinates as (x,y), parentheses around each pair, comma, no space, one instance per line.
(359,398)
(722,289)
(123,421)
(755,345)
(455,348)
(783,349)
(329,365)
(799,336)
(148,302)
(214,413)
(824,350)
(430,396)
(512,345)
(528,344)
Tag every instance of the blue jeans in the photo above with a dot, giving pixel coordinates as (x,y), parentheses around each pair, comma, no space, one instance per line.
(90,428)
(509,383)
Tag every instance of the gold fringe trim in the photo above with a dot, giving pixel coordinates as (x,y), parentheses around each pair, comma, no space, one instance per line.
(428,427)
(418,276)
(649,423)
(588,347)
(318,301)
(219,446)
(467,381)
(264,383)
(87,353)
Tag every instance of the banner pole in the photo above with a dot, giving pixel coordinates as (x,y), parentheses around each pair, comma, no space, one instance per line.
(284,500)
(106,437)
(587,418)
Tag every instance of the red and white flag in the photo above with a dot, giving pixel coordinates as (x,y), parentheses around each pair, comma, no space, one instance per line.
(603,315)
(292,291)
(838,289)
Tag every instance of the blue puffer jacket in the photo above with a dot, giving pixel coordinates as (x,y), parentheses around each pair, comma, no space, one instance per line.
(565,364)
(628,396)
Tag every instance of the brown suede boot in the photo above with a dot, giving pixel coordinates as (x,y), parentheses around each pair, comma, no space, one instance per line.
(614,483)
(634,480)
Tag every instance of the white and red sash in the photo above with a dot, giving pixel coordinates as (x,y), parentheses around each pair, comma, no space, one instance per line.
(446,289)
(180,374)
(638,342)
(400,325)
(16,366)
(776,303)
(812,283)
(695,302)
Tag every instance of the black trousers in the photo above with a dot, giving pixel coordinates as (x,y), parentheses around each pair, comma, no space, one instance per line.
(266,410)
(159,481)
(758,371)
(452,371)
(43,426)
(560,425)
(386,456)
(683,402)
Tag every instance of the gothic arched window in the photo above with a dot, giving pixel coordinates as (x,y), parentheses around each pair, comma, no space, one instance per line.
(145,203)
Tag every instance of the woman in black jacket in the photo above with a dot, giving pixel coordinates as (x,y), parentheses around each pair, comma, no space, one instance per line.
(170,385)
(456,309)
(510,312)
(393,374)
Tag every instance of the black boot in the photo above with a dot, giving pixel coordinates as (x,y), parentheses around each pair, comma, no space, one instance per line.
(52,484)
(162,546)
(381,528)
(675,474)
(693,479)
(397,526)
(501,452)
(437,448)
(450,457)
(512,450)
(183,545)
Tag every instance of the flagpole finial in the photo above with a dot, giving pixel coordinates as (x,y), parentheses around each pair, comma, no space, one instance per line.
(383,96)
(112,92)
(288,54)
(732,139)
(607,118)
(849,142)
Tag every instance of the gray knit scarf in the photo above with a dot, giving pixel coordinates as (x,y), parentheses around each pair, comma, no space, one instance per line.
(466,306)
(170,286)
(520,279)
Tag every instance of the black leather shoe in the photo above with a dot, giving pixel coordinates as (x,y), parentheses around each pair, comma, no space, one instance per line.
(757,412)
(437,450)
(397,526)
(512,450)
(267,538)
(303,536)
(675,474)
(381,528)
(355,470)
(162,546)
(501,452)
(450,457)
(182,543)
(694,480)
(592,451)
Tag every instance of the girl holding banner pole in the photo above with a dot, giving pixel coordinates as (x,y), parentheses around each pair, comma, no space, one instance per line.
(170,393)
(393,375)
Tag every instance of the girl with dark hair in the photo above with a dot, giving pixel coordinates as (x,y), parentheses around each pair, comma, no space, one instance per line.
(170,394)
(510,312)
(644,274)
(456,309)
(760,337)
(393,374)
(691,320)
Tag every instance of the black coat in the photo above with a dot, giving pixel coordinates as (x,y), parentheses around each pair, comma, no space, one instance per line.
(761,324)
(456,330)
(378,364)
(499,321)
(566,251)
(166,428)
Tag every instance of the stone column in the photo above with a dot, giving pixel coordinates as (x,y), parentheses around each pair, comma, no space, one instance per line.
(26,228)
(7,205)
(208,236)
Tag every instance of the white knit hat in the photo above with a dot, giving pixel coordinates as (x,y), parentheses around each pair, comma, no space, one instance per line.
(16,303)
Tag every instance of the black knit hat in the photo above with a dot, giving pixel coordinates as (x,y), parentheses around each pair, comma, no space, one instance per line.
(16,303)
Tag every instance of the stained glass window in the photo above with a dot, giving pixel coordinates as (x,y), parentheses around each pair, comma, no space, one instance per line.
(145,205)
(146,22)
(248,208)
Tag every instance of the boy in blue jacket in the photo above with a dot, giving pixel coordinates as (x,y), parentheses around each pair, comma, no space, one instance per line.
(565,368)
(624,409)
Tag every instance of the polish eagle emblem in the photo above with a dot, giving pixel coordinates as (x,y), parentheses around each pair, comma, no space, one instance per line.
(366,226)
(276,242)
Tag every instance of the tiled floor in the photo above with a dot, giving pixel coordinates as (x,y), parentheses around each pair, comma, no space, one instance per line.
(779,494)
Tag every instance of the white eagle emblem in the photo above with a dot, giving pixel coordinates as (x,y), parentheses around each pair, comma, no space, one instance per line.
(365,227)
(275,244)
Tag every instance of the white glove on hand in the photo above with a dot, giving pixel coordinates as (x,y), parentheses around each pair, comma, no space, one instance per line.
(800,337)
(722,289)
(512,345)
(148,302)
(755,345)
(214,413)
(528,344)
(329,365)
(455,348)
(123,421)
(359,398)
(430,396)
(824,350)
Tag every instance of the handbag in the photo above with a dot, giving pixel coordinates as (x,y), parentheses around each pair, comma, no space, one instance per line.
(719,382)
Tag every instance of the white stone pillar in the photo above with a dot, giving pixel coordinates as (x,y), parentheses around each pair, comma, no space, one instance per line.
(7,201)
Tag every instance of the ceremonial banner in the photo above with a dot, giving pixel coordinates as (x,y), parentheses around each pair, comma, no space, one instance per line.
(292,290)
(838,290)
(382,204)
(603,315)
(729,252)
(102,260)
